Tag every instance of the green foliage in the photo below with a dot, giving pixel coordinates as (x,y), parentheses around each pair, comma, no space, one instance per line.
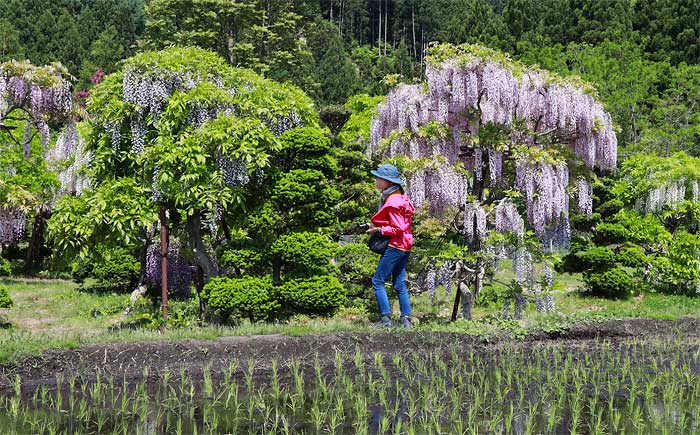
(304,253)
(5,267)
(644,230)
(599,257)
(355,132)
(181,314)
(315,295)
(304,200)
(246,297)
(114,212)
(356,264)
(47,30)
(334,117)
(632,256)
(242,261)
(306,148)
(263,36)
(114,265)
(5,301)
(679,271)
(612,283)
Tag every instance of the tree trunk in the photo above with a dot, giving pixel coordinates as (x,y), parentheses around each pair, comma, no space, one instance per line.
(164,263)
(199,251)
(200,286)
(380,27)
(35,251)
(413,26)
(475,245)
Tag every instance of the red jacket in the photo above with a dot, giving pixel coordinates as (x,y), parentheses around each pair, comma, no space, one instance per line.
(395,219)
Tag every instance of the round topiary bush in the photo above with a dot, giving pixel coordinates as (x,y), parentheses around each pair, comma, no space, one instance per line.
(116,265)
(612,283)
(315,295)
(304,253)
(246,297)
(5,301)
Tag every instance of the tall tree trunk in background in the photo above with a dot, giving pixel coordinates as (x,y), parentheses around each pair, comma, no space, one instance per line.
(164,263)
(35,251)
(380,27)
(413,26)
(386,24)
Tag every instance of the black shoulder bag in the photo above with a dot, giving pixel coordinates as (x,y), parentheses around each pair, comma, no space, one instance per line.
(378,242)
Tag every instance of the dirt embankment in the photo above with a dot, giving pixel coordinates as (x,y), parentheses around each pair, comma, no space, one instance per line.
(128,360)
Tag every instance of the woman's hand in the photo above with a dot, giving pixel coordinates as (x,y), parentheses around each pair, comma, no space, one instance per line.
(372,229)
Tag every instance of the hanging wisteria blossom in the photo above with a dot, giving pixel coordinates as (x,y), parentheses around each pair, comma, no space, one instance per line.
(508,219)
(470,85)
(430,282)
(235,171)
(180,276)
(666,195)
(12,225)
(474,222)
(45,91)
(585,196)
(70,147)
(444,276)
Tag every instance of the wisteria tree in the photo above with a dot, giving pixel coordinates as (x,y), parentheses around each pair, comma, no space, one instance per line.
(172,144)
(31,98)
(500,148)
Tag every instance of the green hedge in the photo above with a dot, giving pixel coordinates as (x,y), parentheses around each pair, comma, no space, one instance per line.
(246,297)
(315,295)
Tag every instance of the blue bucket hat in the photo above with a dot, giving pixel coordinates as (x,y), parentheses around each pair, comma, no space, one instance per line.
(389,173)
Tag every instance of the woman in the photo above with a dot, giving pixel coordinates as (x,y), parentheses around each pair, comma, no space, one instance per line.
(394,220)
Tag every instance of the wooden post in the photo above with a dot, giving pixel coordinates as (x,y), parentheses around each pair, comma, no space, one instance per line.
(200,286)
(164,263)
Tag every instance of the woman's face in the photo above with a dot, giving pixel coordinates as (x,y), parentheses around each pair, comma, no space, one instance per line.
(381,183)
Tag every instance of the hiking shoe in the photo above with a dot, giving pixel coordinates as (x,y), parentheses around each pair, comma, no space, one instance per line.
(405,322)
(384,322)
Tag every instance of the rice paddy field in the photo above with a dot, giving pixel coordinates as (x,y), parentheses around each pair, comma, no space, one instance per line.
(67,366)
(442,386)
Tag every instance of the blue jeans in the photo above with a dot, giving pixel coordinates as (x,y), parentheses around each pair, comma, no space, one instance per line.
(392,262)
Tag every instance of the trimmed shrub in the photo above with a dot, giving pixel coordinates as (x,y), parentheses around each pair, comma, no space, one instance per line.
(5,301)
(246,297)
(613,283)
(316,295)
(632,256)
(304,254)
(117,264)
(600,257)
(242,261)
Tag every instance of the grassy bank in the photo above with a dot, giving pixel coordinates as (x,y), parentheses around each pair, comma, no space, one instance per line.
(54,313)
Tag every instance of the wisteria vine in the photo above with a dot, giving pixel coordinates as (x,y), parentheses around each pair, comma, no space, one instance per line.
(468,89)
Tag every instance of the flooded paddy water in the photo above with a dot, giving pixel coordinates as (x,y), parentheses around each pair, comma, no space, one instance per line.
(389,383)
